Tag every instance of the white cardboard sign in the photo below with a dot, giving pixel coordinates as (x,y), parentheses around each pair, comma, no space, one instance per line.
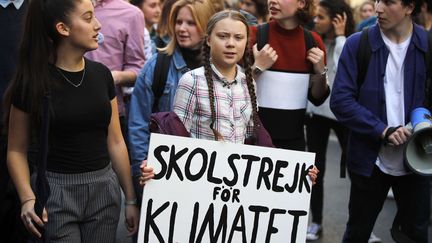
(208,191)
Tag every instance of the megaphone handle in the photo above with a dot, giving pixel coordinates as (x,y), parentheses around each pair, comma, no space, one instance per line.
(389,132)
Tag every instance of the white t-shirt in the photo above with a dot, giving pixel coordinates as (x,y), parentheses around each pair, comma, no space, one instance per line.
(390,158)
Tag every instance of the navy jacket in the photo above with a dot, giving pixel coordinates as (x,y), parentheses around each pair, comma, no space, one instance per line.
(363,110)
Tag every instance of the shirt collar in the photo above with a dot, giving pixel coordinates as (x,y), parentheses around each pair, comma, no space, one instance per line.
(16,3)
(418,39)
(225,82)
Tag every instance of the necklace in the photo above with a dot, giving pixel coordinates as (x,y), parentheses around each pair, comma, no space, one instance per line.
(72,83)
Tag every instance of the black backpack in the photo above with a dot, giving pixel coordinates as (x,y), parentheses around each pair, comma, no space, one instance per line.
(160,76)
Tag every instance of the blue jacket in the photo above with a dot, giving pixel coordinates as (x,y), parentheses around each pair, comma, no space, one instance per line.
(142,103)
(364,111)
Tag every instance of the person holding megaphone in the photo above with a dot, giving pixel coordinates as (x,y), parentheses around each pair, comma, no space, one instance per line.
(375,101)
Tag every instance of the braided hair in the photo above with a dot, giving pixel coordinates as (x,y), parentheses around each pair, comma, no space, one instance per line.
(235,15)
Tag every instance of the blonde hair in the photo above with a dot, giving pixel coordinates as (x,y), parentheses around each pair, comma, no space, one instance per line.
(201,11)
(357,13)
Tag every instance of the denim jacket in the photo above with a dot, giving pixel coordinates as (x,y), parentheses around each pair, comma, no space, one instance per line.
(142,102)
(363,110)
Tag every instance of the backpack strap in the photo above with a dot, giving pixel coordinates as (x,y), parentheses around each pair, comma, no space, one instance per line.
(159,42)
(309,42)
(363,57)
(160,77)
(428,57)
(309,39)
(262,35)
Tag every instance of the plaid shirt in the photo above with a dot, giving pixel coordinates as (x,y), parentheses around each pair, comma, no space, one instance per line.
(233,107)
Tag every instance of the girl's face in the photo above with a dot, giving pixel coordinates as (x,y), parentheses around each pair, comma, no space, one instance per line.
(323,22)
(83,27)
(284,9)
(227,43)
(249,6)
(186,30)
(367,11)
(152,11)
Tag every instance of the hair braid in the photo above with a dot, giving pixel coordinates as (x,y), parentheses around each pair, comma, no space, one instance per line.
(209,79)
(251,88)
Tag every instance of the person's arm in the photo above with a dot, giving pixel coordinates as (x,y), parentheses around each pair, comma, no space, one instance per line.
(185,99)
(343,100)
(18,139)
(339,24)
(141,105)
(120,162)
(264,59)
(134,57)
(319,90)
(124,78)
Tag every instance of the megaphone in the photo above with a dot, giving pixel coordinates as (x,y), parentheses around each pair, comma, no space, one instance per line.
(418,151)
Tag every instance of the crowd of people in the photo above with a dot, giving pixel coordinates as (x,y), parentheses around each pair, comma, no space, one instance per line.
(80,80)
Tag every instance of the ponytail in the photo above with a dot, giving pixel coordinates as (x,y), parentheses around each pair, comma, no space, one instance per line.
(37,51)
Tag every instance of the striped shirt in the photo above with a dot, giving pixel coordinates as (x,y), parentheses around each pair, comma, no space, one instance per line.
(232,105)
(283,90)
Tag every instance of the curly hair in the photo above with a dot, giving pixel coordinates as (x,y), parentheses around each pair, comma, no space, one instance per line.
(306,14)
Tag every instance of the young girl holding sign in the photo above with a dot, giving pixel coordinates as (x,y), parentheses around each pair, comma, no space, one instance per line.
(218,101)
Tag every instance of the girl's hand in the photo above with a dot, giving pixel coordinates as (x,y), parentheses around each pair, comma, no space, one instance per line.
(147,173)
(265,57)
(132,215)
(313,174)
(316,57)
(30,218)
(339,23)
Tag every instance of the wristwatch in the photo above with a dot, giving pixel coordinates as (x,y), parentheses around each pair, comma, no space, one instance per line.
(256,71)
(324,71)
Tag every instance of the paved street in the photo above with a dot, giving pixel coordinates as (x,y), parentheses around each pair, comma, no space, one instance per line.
(336,205)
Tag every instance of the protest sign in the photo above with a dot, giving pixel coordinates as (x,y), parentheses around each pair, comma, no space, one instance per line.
(208,191)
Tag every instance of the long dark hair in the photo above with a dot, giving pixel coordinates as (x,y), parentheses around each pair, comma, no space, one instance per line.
(262,9)
(335,7)
(137,3)
(235,15)
(37,51)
